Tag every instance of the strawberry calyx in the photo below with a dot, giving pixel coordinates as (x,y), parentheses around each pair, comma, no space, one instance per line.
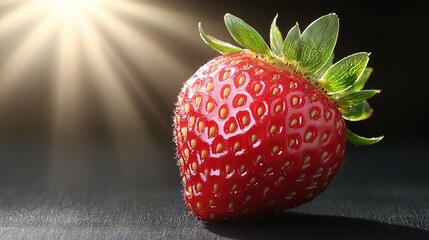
(309,54)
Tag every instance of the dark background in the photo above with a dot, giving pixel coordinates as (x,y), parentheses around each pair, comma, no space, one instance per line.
(49,191)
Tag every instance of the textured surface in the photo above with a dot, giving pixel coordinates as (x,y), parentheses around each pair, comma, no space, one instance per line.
(362,203)
(124,214)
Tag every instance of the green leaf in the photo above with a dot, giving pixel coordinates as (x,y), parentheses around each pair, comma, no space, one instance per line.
(318,42)
(319,73)
(218,45)
(355,139)
(276,38)
(292,44)
(344,73)
(355,98)
(357,112)
(360,83)
(246,35)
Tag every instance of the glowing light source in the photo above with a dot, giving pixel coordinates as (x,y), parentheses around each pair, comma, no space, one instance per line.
(92,43)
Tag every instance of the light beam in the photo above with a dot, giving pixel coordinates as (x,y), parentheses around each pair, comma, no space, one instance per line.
(88,48)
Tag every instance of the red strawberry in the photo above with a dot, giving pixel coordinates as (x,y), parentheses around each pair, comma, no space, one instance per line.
(261,130)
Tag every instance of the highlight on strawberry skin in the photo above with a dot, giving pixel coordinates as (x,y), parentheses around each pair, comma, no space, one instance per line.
(263,127)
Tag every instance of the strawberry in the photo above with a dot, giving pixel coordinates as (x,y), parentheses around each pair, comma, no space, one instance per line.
(263,129)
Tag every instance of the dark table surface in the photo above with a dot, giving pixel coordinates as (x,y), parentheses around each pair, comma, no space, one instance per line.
(380,192)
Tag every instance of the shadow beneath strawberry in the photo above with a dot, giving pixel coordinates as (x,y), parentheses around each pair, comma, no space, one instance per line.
(288,225)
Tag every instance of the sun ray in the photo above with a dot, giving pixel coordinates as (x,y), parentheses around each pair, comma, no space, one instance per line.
(171,21)
(26,54)
(109,52)
(133,81)
(121,113)
(22,15)
(67,87)
(144,89)
(7,3)
(141,50)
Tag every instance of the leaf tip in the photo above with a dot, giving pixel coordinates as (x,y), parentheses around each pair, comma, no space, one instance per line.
(274,22)
(376,139)
(359,140)
(332,15)
(201,31)
(228,15)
